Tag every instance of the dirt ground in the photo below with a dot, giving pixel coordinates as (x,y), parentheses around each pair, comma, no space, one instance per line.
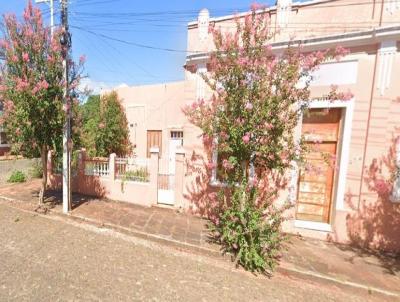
(51,259)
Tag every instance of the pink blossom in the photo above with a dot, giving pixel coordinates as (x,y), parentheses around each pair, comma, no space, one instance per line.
(220,90)
(255,6)
(14,59)
(206,139)
(21,85)
(201,102)
(341,52)
(269,126)
(348,95)
(82,59)
(55,47)
(249,106)
(102,125)
(227,165)
(223,135)
(44,84)
(246,138)
(210,165)
(239,121)
(243,61)
(25,57)
(9,105)
(66,107)
(4,44)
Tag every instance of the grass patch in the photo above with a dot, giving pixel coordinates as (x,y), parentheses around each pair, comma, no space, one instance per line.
(17,177)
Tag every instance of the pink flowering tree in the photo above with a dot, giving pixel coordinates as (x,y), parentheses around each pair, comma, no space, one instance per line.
(31,86)
(249,122)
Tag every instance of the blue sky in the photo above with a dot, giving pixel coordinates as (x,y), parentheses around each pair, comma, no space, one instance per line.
(155,23)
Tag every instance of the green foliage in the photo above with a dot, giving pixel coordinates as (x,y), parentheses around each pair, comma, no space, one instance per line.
(17,176)
(250,121)
(105,127)
(31,84)
(36,171)
(141,175)
(250,232)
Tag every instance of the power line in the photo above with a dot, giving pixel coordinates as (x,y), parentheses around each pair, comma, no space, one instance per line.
(134,43)
(106,59)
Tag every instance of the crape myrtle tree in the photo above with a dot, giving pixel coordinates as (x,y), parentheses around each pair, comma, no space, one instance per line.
(31,86)
(105,126)
(250,120)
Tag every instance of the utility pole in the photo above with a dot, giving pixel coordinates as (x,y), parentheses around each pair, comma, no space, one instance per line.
(51,4)
(66,44)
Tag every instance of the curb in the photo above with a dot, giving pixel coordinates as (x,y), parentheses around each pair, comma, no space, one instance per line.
(143,235)
(283,268)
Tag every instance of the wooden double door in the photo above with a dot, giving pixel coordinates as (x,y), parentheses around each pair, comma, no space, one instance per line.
(321,129)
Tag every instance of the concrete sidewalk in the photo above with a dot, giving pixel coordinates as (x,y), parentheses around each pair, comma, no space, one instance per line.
(308,258)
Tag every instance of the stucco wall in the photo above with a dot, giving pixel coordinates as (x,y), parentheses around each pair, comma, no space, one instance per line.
(365,215)
(153,107)
(316,19)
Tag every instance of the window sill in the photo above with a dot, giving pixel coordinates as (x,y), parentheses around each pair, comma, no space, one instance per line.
(311,225)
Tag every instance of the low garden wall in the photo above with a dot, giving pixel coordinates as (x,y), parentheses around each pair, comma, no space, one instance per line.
(10,164)
(133,180)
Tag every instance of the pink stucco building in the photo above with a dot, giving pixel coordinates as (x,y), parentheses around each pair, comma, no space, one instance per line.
(350,203)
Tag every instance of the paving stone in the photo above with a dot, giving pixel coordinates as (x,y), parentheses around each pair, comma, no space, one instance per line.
(335,261)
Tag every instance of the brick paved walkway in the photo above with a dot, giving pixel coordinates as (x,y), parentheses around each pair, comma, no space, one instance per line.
(47,258)
(308,257)
(161,222)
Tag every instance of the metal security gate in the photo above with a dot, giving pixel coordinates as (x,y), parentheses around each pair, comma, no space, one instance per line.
(166,183)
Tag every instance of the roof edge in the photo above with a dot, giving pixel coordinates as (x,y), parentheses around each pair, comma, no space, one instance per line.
(192,24)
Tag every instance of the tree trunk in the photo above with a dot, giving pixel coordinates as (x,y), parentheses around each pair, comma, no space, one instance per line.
(44,176)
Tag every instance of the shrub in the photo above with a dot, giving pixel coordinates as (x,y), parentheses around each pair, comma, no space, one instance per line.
(140,174)
(36,170)
(248,128)
(251,234)
(17,176)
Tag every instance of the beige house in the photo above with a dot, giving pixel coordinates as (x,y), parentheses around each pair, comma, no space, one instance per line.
(346,203)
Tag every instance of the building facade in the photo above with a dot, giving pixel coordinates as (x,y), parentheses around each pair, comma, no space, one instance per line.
(351,202)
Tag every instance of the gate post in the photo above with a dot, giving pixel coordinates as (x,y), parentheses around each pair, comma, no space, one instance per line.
(81,170)
(111,166)
(51,180)
(179,176)
(154,157)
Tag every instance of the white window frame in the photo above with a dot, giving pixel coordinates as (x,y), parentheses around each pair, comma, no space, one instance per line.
(339,190)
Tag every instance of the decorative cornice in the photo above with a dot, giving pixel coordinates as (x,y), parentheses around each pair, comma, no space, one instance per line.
(357,38)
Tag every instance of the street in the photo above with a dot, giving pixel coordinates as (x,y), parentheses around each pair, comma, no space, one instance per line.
(48,259)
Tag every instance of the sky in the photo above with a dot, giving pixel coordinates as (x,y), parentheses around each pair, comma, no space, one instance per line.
(96,25)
